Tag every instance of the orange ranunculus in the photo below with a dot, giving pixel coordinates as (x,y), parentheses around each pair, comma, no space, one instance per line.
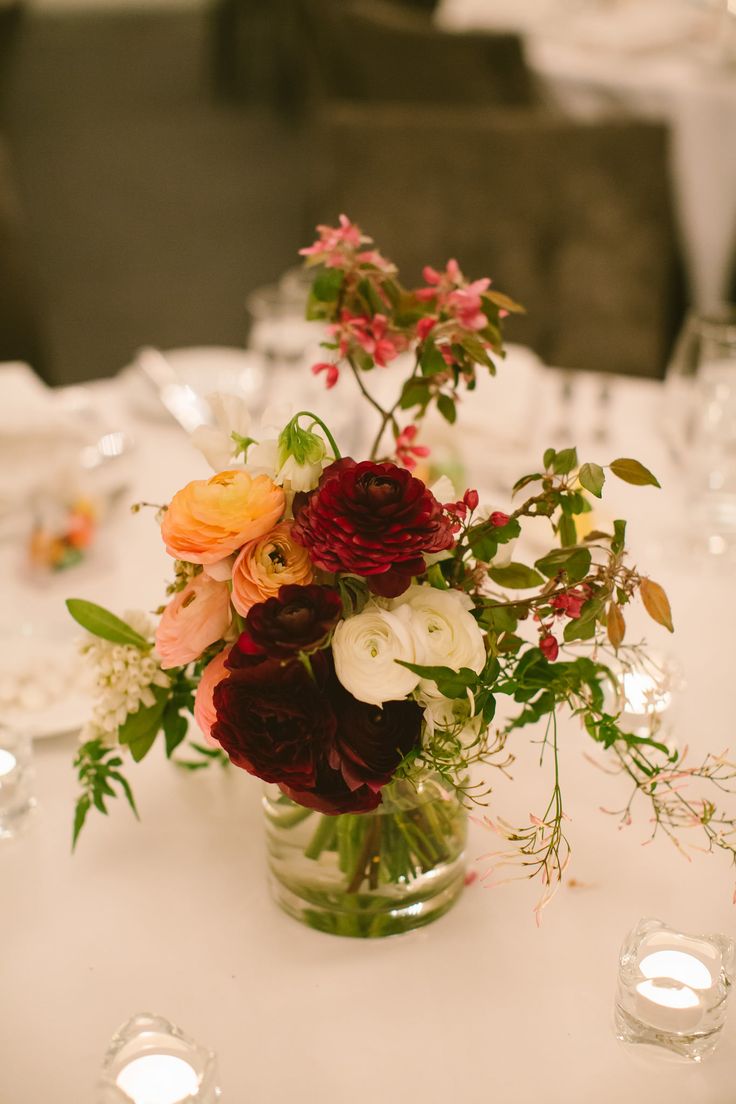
(196,617)
(210,518)
(265,565)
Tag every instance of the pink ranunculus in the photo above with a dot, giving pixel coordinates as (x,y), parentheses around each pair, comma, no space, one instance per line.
(196,617)
(204,707)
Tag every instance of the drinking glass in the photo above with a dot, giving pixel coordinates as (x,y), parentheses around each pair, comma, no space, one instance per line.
(700,424)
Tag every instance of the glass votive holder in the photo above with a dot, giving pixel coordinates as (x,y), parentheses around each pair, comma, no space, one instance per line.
(673,989)
(150,1061)
(17,799)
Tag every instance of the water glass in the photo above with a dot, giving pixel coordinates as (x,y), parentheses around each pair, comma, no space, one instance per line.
(701,424)
(17,799)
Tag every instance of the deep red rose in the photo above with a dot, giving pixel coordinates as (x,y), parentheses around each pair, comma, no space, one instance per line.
(374,520)
(274,720)
(298,619)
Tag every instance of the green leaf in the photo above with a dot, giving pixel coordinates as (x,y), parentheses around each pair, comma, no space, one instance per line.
(548,458)
(499,619)
(482,543)
(619,535)
(516,576)
(592,477)
(446,407)
(368,291)
(504,302)
(99,621)
(80,815)
(431,360)
(450,683)
(327,284)
(631,471)
(525,480)
(583,627)
(565,461)
(415,392)
(574,562)
(175,727)
(139,730)
(568,533)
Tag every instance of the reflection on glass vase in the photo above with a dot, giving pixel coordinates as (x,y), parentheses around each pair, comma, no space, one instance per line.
(372,874)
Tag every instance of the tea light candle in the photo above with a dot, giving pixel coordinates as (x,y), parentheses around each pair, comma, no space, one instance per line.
(672,988)
(158,1079)
(150,1061)
(643,694)
(16,783)
(8,763)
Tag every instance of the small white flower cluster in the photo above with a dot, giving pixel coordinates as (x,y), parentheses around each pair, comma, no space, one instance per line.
(424,626)
(123,676)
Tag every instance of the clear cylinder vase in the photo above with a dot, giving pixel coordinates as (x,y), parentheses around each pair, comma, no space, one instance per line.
(371,874)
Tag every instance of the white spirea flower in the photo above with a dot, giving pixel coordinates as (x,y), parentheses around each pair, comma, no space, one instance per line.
(445,632)
(218,443)
(366,647)
(123,677)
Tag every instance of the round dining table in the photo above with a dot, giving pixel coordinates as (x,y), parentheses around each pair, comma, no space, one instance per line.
(172,915)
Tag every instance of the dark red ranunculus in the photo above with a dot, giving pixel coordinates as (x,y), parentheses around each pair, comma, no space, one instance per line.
(298,619)
(327,750)
(274,720)
(367,747)
(374,520)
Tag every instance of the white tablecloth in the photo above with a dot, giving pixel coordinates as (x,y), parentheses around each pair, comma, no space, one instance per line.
(591,60)
(173,915)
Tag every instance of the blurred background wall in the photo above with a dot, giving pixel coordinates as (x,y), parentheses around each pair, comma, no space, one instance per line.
(160,160)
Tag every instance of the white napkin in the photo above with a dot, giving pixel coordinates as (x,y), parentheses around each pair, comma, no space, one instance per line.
(39,441)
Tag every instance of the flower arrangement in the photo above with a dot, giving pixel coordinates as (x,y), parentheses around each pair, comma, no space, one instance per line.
(345,631)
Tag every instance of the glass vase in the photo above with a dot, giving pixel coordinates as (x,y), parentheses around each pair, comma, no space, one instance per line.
(371,874)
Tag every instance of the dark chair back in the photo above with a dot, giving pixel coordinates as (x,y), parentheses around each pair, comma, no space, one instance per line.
(19,322)
(372,50)
(572,219)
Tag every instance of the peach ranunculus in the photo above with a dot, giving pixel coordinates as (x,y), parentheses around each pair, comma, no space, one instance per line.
(204,707)
(196,617)
(265,565)
(210,518)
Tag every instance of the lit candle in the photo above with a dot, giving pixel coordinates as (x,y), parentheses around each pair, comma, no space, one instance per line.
(151,1061)
(158,1079)
(643,694)
(669,997)
(8,763)
(673,988)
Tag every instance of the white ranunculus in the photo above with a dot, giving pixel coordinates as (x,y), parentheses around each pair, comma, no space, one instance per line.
(366,647)
(445,632)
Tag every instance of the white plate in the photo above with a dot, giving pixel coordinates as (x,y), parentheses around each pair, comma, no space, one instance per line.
(43,683)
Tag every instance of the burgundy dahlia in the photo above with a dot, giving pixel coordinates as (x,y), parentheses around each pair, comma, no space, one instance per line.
(372,519)
(297,620)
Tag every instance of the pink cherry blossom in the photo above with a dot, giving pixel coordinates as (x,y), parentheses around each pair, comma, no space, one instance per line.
(406,450)
(332,372)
